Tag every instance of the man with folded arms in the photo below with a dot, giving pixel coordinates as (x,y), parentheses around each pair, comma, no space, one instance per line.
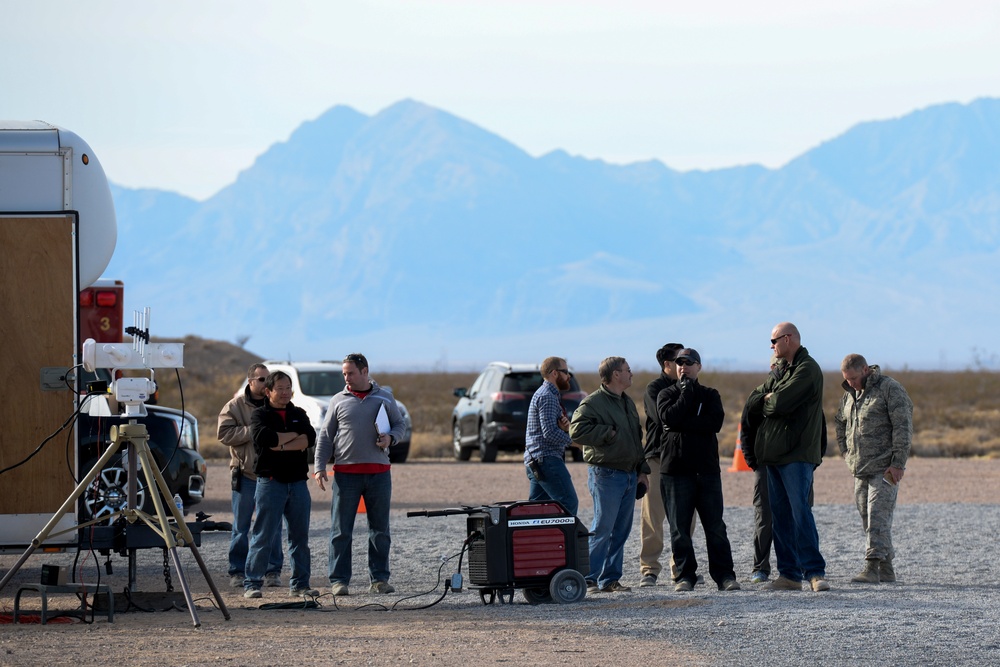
(789,442)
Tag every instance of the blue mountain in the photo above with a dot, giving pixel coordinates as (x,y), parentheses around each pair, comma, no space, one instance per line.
(425,240)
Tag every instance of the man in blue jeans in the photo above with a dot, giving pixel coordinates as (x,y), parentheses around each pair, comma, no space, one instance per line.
(547,437)
(281,435)
(789,442)
(362,422)
(607,425)
(234,432)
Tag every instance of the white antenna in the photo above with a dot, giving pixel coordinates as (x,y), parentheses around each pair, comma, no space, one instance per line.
(143,355)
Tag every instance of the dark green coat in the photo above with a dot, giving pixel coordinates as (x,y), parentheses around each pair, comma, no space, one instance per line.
(599,416)
(793,417)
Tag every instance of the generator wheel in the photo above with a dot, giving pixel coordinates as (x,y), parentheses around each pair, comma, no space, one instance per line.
(568,586)
(484,592)
(537,595)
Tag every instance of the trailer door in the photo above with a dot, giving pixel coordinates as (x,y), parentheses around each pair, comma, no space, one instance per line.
(38,338)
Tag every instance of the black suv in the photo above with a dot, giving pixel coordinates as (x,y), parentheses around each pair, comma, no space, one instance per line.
(493,414)
(173,444)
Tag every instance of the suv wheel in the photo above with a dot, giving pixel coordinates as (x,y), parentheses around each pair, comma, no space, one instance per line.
(461,453)
(487,452)
(108,493)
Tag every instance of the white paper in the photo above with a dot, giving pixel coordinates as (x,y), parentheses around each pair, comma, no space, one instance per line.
(382,420)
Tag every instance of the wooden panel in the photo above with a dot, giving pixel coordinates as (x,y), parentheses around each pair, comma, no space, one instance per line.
(37,330)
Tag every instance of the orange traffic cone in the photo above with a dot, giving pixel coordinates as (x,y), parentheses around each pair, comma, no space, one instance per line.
(739,463)
(363,510)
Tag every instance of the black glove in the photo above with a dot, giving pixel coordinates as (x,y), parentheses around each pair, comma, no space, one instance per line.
(640,490)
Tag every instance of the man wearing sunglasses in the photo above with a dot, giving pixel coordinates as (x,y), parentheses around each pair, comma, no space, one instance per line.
(547,437)
(653,513)
(789,442)
(691,415)
(234,432)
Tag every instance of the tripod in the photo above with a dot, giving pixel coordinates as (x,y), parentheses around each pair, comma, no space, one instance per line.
(173,534)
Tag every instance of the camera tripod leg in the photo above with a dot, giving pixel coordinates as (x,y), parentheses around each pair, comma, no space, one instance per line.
(181,528)
(68,506)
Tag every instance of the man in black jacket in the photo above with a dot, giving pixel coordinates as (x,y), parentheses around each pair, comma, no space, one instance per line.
(690,481)
(653,513)
(281,435)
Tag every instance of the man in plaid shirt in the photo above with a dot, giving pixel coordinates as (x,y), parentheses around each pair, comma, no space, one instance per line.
(547,437)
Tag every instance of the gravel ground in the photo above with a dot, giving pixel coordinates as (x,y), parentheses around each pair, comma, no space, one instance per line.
(944,610)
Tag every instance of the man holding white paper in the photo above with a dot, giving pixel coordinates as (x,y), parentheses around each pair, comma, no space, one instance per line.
(362,422)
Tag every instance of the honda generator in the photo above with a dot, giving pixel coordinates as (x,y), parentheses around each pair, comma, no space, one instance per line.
(536,546)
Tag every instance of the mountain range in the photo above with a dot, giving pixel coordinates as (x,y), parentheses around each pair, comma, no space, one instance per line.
(428,242)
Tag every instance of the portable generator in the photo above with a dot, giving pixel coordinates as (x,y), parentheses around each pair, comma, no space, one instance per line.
(536,546)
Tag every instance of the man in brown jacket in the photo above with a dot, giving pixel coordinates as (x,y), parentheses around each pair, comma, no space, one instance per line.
(234,432)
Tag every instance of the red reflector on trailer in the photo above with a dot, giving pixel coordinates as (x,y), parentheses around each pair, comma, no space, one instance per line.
(107,299)
(86,299)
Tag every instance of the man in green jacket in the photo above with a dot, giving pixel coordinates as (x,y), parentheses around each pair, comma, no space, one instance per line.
(874,430)
(607,425)
(789,443)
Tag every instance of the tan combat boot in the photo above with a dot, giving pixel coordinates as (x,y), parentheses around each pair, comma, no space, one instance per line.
(886,573)
(869,574)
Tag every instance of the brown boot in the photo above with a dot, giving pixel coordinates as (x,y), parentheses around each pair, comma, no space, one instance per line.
(886,573)
(868,574)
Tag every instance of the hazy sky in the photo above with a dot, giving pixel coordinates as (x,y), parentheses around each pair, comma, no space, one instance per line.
(182,95)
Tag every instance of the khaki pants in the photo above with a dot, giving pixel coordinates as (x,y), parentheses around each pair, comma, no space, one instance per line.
(651,526)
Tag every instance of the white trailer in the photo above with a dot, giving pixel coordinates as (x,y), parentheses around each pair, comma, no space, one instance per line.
(57,235)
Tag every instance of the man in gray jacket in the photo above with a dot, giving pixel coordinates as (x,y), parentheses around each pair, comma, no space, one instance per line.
(874,429)
(362,422)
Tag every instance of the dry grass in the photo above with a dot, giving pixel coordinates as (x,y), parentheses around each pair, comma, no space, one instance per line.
(956,414)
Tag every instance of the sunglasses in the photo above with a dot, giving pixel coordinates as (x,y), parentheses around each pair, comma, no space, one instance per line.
(258,379)
(565,372)
(685,362)
(774,341)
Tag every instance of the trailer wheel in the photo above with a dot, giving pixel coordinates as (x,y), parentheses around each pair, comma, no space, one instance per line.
(537,595)
(568,586)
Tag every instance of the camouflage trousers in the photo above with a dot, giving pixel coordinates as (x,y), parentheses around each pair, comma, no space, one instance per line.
(876,501)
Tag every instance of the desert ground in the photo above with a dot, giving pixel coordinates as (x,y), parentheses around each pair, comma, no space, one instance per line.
(363,629)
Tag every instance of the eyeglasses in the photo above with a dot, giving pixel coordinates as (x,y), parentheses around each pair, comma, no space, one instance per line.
(258,379)
(774,341)
(685,362)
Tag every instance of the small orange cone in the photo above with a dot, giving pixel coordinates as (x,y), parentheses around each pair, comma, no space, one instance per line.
(363,510)
(739,463)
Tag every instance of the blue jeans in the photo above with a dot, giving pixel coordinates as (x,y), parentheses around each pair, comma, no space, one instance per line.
(796,541)
(557,483)
(243,506)
(613,492)
(682,496)
(348,489)
(274,501)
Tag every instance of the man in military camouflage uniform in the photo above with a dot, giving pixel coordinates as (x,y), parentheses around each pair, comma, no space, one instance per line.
(874,430)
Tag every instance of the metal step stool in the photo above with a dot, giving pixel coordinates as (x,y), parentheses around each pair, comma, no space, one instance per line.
(44,590)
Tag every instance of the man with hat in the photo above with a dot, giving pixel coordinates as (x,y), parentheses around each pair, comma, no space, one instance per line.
(690,479)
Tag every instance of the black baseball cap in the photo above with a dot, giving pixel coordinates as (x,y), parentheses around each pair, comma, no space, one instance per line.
(689,353)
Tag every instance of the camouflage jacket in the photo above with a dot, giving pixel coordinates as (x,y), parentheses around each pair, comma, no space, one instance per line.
(875,426)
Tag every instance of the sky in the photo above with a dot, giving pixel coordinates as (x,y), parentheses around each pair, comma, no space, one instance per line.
(183,95)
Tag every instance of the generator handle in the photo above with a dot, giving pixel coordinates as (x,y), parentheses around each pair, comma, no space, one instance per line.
(448,511)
